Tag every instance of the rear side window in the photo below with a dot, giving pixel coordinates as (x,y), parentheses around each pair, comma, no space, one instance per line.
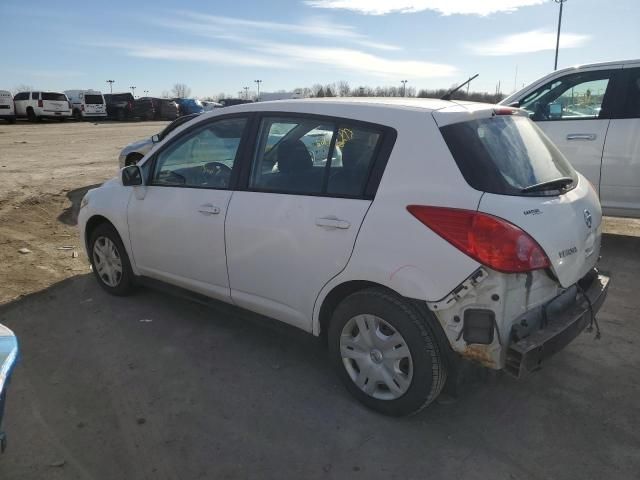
(632,103)
(309,156)
(93,99)
(59,97)
(35,95)
(120,97)
(505,154)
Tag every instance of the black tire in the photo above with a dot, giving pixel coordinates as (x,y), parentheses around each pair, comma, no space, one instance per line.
(428,361)
(11,121)
(31,115)
(62,119)
(126,282)
(77,115)
(120,115)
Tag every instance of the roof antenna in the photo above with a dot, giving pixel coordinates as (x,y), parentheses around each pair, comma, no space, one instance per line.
(447,96)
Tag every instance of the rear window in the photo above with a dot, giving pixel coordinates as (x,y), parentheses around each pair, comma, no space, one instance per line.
(119,97)
(505,155)
(93,99)
(54,96)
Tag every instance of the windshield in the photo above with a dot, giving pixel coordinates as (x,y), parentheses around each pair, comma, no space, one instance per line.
(506,155)
(93,99)
(54,96)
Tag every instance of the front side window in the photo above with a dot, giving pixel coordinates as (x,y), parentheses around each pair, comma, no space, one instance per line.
(202,159)
(573,97)
(313,157)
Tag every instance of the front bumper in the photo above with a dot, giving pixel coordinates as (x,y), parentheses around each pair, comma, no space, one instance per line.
(528,354)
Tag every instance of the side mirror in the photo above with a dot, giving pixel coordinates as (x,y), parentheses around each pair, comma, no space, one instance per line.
(131,176)
(155,138)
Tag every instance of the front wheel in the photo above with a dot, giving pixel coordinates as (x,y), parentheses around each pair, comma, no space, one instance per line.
(386,352)
(110,262)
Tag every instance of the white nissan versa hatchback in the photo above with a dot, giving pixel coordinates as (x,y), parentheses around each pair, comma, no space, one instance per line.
(448,231)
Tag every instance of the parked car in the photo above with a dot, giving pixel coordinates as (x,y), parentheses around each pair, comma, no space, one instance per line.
(429,244)
(7,111)
(134,152)
(592,114)
(188,106)
(230,102)
(119,105)
(86,104)
(208,106)
(163,108)
(38,105)
(8,357)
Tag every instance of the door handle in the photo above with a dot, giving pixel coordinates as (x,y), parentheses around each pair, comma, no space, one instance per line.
(332,222)
(581,136)
(208,209)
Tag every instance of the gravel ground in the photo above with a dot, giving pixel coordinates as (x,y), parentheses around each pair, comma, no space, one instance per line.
(156,387)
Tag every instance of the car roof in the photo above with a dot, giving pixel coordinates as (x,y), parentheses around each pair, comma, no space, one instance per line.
(396,103)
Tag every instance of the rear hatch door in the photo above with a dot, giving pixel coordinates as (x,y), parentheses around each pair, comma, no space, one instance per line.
(54,102)
(94,103)
(527,181)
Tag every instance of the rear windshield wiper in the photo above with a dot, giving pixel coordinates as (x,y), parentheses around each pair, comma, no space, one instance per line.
(557,184)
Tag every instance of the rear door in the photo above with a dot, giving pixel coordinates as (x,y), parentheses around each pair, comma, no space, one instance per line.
(55,103)
(294,226)
(574,111)
(527,181)
(94,104)
(620,183)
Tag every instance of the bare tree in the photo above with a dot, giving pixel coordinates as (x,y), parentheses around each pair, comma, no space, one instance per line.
(21,88)
(181,90)
(165,94)
(343,88)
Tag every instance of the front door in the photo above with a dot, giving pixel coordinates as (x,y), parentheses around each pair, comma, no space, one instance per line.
(572,111)
(295,227)
(176,225)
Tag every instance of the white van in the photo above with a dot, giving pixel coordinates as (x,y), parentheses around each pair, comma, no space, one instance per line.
(592,114)
(87,104)
(38,105)
(7,111)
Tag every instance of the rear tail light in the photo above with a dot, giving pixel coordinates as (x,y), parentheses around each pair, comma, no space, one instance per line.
(40,104)
(490,240)
(130,105)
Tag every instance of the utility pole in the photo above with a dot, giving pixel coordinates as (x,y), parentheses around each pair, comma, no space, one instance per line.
(246,93)
(404,87)
(555,64)
(258,82)
(133,90)
(111,82)
(146,93)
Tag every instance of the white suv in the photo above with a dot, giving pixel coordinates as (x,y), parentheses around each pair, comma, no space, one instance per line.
(592,114)
(448,231)
(38,105)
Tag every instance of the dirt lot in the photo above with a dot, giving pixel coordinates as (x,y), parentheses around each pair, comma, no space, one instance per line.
(155,387)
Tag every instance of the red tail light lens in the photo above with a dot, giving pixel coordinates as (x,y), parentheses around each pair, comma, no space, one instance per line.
(40,104)
(490,240)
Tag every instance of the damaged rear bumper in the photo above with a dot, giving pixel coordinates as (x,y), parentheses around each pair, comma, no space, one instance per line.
(528,354)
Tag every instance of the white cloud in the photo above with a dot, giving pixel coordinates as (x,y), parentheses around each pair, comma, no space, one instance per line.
(527,42)
(214,25)
(444,7)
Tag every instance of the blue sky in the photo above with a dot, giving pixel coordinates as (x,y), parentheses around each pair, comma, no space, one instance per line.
(221,46)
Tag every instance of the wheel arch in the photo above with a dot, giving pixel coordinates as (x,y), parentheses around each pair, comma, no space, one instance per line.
(92,224)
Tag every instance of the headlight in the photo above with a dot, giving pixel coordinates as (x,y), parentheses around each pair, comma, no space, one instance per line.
(84,202)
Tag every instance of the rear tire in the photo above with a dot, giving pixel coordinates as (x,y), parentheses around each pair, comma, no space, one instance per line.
(110,262)
(401,368)
(31,115)
(77,115)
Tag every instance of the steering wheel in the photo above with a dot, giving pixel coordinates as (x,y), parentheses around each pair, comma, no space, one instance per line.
(218,172)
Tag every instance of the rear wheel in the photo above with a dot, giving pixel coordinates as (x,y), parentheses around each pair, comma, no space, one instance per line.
(31,115)
(77,115)
(110,261)
(386,352)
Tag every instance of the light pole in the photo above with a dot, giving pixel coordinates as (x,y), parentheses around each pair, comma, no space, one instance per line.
(133,90)
(258,82)
(246,93)
(111,82)
(404,87)
(555,65)
(146,93)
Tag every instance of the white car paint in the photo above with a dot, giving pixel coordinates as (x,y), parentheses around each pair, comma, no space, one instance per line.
(41,106)
(7,111)
(604,149)
(87,103)
(281,255)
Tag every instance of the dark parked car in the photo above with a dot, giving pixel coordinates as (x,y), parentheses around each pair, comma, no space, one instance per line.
(120,106)
(164,108)
(228,102)
(188,106)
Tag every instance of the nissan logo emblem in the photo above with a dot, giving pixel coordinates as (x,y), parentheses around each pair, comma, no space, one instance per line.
(587,218)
